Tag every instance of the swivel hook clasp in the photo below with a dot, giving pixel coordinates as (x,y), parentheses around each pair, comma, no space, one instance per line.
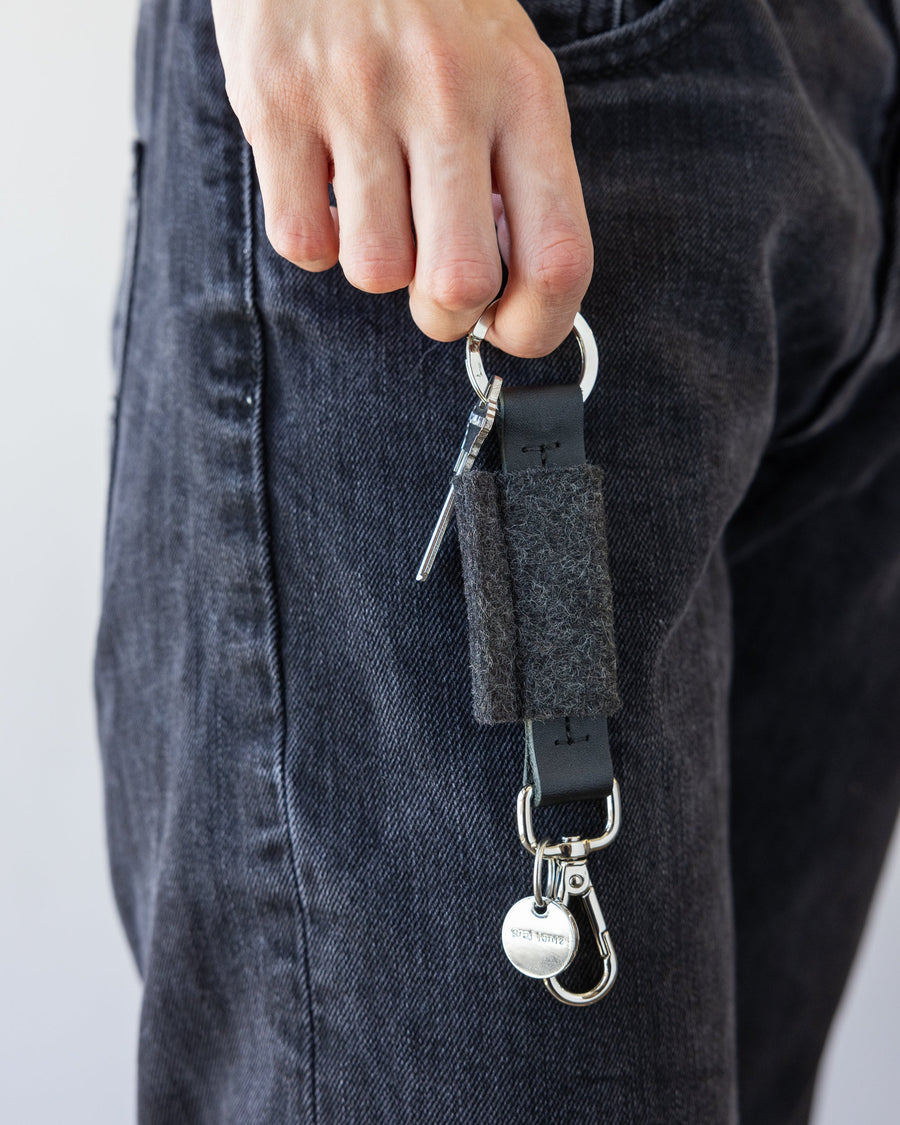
(574,881)
(530,926)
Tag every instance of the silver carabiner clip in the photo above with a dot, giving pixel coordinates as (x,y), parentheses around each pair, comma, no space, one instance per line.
(543,944)
(575,882)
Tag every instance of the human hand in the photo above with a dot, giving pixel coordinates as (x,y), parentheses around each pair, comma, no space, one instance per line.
(449,117)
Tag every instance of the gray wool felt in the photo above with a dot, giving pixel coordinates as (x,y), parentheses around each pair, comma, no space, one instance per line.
(538,593)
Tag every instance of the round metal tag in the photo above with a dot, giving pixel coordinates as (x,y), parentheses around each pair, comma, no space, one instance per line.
(539,944)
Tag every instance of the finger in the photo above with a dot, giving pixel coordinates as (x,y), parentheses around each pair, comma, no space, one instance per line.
(502,228)
(458,270)
(548,246)
(292,167)
(371,186)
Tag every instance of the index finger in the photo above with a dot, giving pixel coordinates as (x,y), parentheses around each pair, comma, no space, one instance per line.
(550,251)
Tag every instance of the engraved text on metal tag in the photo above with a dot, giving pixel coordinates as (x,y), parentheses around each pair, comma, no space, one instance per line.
(539,944)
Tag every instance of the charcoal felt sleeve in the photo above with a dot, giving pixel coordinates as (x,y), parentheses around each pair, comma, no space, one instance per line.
(538,593)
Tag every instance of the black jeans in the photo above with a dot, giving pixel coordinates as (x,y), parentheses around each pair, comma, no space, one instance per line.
(312,842)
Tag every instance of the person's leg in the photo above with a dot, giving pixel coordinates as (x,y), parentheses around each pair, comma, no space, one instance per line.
(815,744)
(186,664)
(720,211)
(313,844)
(814,562)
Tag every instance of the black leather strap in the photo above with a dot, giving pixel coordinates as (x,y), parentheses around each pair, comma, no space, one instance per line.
(541,426)
(567,759)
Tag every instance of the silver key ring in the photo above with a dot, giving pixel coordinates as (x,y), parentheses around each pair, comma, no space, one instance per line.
(475,365)
(541,895)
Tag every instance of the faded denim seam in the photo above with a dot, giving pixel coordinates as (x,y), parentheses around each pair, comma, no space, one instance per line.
(273,639)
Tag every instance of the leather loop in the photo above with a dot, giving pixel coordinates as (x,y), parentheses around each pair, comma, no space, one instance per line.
(568,759)
(541,426)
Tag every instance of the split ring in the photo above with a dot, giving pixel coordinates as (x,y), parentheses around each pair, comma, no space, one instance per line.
(538,884)
(475,365)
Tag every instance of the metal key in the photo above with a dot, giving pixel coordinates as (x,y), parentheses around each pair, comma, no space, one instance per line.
(478,427)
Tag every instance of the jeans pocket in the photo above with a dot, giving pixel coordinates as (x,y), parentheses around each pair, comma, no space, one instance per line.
(121,319)
(596,35)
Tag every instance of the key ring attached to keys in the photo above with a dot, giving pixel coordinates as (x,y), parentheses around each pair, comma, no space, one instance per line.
(590,360)
(539,933)
(484,413)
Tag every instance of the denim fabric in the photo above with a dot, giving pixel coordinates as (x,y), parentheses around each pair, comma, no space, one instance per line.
(312,843)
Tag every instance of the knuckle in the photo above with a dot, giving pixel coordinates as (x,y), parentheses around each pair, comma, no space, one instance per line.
(440,68)
(276,89)
(355,75)
(353,54)
(462,284)
(281,96)
(443,78)
(534,79)
(563,267)
(360,78)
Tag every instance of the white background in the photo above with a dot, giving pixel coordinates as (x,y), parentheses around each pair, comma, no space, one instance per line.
(69,993)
